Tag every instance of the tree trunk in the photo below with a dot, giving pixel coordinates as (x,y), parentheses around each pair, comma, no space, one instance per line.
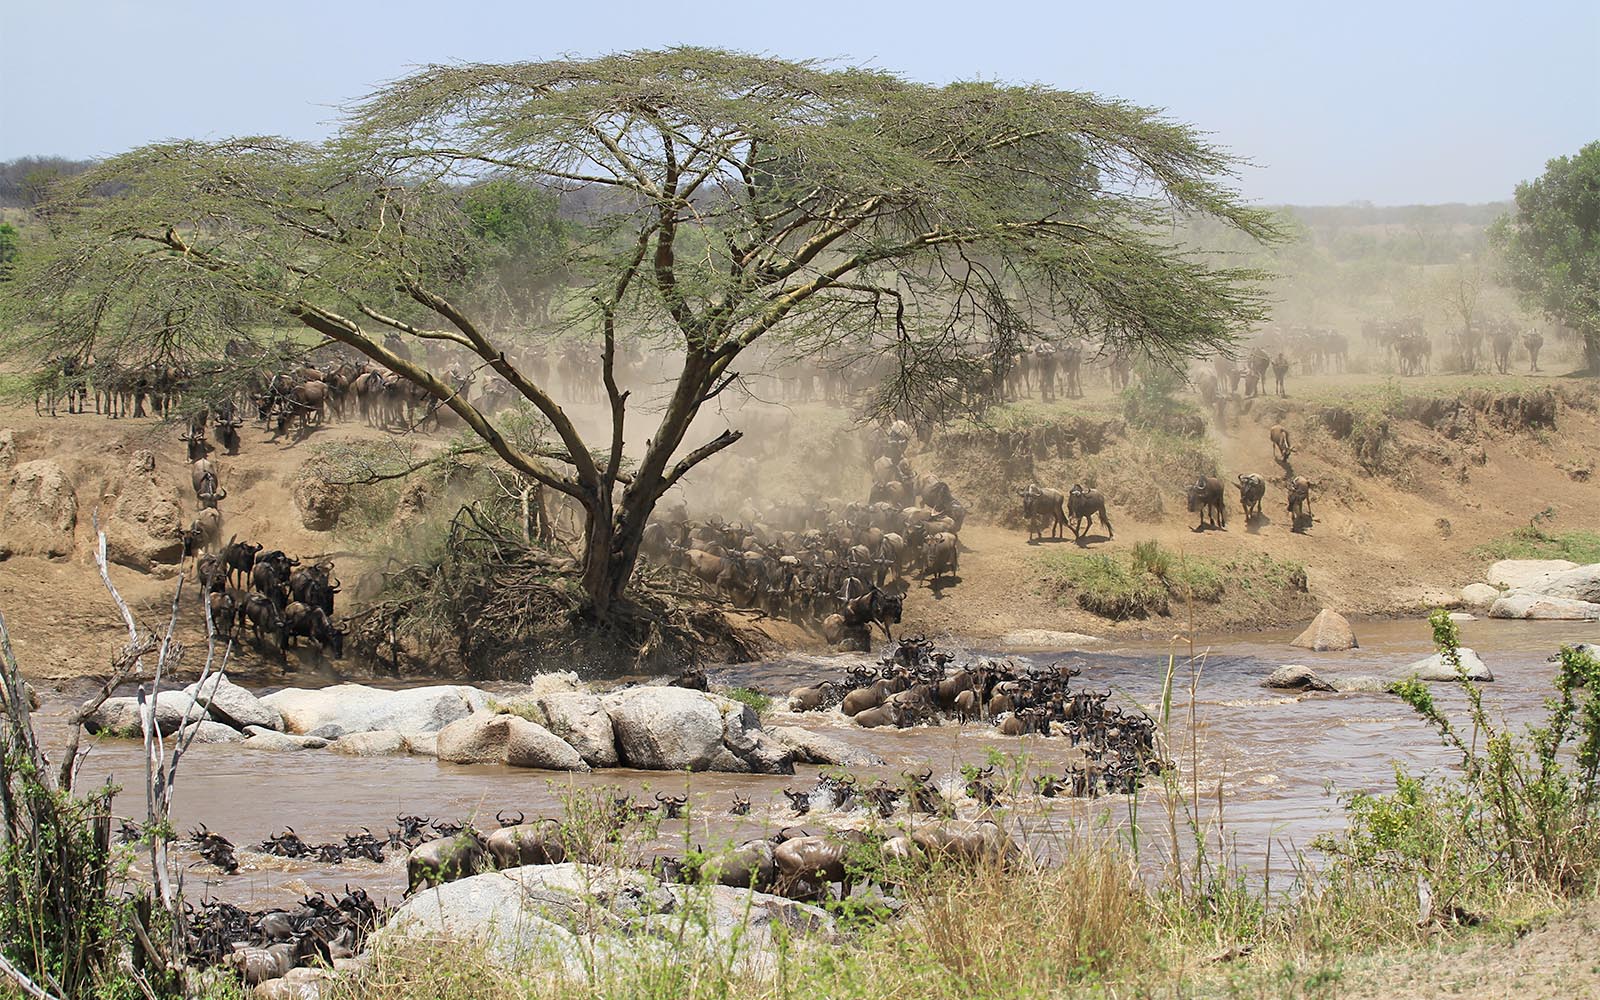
(1591,352)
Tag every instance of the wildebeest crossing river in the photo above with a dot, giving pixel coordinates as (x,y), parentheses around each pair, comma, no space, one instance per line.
(1274,759)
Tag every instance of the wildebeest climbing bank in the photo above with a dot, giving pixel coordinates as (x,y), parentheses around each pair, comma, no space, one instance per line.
(642,524)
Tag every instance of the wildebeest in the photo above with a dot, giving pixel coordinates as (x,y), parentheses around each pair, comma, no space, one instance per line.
(1280,368)
(1039,504)
(536,843)
(265,618)
(943,555)
(1251,490)
(204,476)
(446,859)
(751,865)
(1299,501)
(1206,499)
(1280,442)
(314,624)
(224,613)
(314,585)
(239,557)
(807,866)
(862,612)
(1082,506)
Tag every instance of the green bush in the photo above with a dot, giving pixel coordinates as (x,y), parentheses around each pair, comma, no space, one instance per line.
(759,703)
(1521,816)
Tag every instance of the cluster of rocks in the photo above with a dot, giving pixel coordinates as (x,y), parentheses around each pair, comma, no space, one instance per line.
(1331,632)
(553,726)
(1537,589)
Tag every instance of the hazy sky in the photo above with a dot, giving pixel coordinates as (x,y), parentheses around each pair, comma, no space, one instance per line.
(1395,103)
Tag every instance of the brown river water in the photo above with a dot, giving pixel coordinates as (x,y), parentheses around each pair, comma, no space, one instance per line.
(1276,760)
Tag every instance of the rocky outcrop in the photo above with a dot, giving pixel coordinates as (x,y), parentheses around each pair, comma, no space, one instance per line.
(377,743)
(146,517)
(1581,583)
(676,729)
(1528,604)
(493,738)
(1329,631)
(1434,668)
(8,449)
(1513,573)
(210,732)
(40,512)
(233,705)
(582,721)
(120,716)
(1294,677)
(564,918)
(356,708)
(816,748)
(1479,595)
(258,738)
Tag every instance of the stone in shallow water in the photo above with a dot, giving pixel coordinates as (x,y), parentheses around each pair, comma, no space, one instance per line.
(1434,668)
(1295,677)
(1329,631)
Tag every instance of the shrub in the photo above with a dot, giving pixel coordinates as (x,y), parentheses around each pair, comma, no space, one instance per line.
(758,703)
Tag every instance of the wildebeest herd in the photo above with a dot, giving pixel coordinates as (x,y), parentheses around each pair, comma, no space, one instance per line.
(845,565)
(275,596)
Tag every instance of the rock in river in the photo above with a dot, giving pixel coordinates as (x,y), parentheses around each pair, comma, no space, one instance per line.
(1328,631)
(581,720)
(232,705)
(676,729)
(356,708)
(1294,677)
(492,738)
(1526,604)
(817,748)
(120,716)
(1434,668)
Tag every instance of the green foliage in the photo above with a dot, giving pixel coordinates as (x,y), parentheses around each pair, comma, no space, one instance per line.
(1551,245)
(1152,402)
(1150,579)
(1521,815)
(1533,541)
(758,703)
(10,248)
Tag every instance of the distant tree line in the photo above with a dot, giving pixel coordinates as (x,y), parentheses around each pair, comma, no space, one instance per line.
(25,180)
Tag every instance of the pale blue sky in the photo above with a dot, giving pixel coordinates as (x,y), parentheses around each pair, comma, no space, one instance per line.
(1394,103)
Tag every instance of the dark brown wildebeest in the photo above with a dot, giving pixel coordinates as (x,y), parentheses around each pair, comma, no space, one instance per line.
(1300,502)
(1039,504)
(265,618)
(943,556)
(1280,368)
(1206,499)
(1082,506)
(1279,435)
(441,861)
(1533,340)
(301,620)
(239,557)
(1252,488)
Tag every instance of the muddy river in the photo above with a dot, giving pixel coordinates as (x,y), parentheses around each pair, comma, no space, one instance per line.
(1277,759)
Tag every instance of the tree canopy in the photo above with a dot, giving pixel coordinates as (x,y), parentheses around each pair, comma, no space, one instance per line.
(1551,245)
(708,201)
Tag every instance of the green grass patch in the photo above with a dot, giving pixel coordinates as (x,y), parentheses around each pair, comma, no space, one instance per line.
(1150,579)
(1534,542)
(758,703)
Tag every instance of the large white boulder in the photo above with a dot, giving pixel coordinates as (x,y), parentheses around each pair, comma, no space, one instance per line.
(677,729)
(546,917)
(819,748)
(1479,595)
(356,708)
(258,738)
(1434,668)
(1527,604)
(40,512)
(120,716)
(529,744)
(207,731)
(1581,583)
(233,705)
(1513,573)
(1328,631)
(495,738)
(582,721)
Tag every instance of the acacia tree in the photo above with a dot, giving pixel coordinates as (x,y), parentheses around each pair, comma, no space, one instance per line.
(721,201)
(1551,246)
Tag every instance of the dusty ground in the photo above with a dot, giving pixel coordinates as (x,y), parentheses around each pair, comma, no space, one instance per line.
(1385,543)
